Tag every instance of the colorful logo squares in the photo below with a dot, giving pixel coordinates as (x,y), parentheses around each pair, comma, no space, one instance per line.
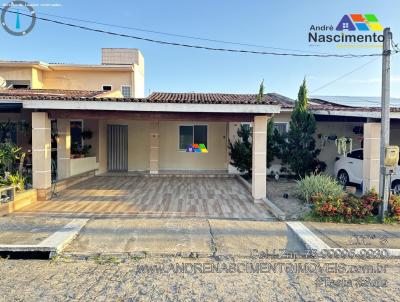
(197,148)
(359,22)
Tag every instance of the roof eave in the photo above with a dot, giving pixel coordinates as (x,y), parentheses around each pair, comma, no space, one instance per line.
(146,106)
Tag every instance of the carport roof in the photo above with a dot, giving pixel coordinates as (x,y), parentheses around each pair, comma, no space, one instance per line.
(319,105)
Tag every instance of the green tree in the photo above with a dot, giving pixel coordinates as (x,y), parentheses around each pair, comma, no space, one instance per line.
(260,94)
(297,147)
(240,151)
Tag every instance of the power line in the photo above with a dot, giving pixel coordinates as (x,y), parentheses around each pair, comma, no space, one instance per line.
(344,75)
(179,35)
(196,46)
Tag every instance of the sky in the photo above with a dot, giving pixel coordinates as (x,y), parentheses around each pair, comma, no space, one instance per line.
(280,24)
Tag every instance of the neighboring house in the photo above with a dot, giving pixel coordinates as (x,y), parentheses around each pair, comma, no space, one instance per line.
(121,74)
(151,134)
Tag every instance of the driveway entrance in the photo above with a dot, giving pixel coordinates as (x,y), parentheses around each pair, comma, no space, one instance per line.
(153,196)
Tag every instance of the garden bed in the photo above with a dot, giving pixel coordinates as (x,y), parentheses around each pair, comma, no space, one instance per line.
(21,199)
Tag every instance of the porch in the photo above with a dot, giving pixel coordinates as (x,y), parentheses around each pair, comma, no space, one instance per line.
(169,196)
(153,143)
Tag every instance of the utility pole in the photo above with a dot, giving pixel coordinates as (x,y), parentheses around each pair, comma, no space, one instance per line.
(385,121)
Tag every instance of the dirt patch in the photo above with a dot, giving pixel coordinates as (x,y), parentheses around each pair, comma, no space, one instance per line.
(293,207)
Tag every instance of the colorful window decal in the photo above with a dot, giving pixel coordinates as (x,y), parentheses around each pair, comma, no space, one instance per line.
(197,148)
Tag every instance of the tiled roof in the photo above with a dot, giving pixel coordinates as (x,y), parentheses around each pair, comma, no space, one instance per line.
(47,94)
(210,98)
(319,104)
(157,97)
(179,98)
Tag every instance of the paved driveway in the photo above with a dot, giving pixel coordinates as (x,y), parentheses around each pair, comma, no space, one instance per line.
(172,196)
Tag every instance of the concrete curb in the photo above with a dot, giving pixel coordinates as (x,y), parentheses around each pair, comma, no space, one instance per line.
(309,239)
(313,242)
(53,244)
(277,212)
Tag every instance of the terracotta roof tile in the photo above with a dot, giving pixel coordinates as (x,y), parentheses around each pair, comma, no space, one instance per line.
(169,97)
(210,98)
(157,97)
(47,94)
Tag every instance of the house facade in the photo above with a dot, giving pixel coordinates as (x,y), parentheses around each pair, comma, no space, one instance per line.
(70,107)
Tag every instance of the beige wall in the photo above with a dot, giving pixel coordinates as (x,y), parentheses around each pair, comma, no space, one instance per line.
(329,151)
(82,165)
(10,73)
(171,158)
(86,80)
(138,80)
(138,144)
(37,79)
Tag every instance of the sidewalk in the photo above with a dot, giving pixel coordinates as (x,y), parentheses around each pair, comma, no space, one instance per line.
(337,235)
(185,237)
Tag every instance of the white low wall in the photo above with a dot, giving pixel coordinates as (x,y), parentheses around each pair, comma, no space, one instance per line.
(82,165)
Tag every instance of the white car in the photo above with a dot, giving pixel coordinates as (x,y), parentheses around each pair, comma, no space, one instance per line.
(349,169)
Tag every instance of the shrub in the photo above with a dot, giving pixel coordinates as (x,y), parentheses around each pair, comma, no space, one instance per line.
(371,198)
(9,157)
(327,205)
(314,184)
(394,207)
(13,179)
(347,207)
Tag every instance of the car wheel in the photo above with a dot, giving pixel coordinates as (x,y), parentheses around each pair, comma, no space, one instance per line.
(343,178)
(396,187)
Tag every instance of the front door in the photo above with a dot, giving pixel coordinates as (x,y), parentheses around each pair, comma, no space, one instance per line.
(117,141)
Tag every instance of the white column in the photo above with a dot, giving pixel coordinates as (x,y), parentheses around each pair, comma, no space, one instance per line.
(41,153)
(63,148)
(259,160)
(371,162)
(154,147)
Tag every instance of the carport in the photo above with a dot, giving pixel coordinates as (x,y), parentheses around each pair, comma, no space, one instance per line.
(168,196)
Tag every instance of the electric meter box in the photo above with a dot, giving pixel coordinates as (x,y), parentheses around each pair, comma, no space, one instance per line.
(391,156)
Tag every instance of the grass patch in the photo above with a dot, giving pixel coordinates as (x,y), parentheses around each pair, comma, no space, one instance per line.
(312,216)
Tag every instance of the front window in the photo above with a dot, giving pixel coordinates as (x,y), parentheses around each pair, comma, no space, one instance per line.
(76,136)
(126,91)
(107,87)
(192,134)
(281,127)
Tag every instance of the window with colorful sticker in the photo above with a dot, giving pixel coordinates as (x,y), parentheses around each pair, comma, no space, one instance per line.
(193,138)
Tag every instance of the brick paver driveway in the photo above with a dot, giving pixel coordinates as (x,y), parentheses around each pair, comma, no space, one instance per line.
(172,196)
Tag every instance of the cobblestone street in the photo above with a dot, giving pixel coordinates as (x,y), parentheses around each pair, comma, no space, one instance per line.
(117,279)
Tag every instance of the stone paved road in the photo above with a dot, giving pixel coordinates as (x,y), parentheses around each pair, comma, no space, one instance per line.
(114,279)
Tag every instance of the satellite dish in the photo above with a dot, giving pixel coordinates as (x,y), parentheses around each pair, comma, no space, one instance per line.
(3,82)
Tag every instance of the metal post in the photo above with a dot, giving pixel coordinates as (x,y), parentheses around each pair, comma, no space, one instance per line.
(385,120)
